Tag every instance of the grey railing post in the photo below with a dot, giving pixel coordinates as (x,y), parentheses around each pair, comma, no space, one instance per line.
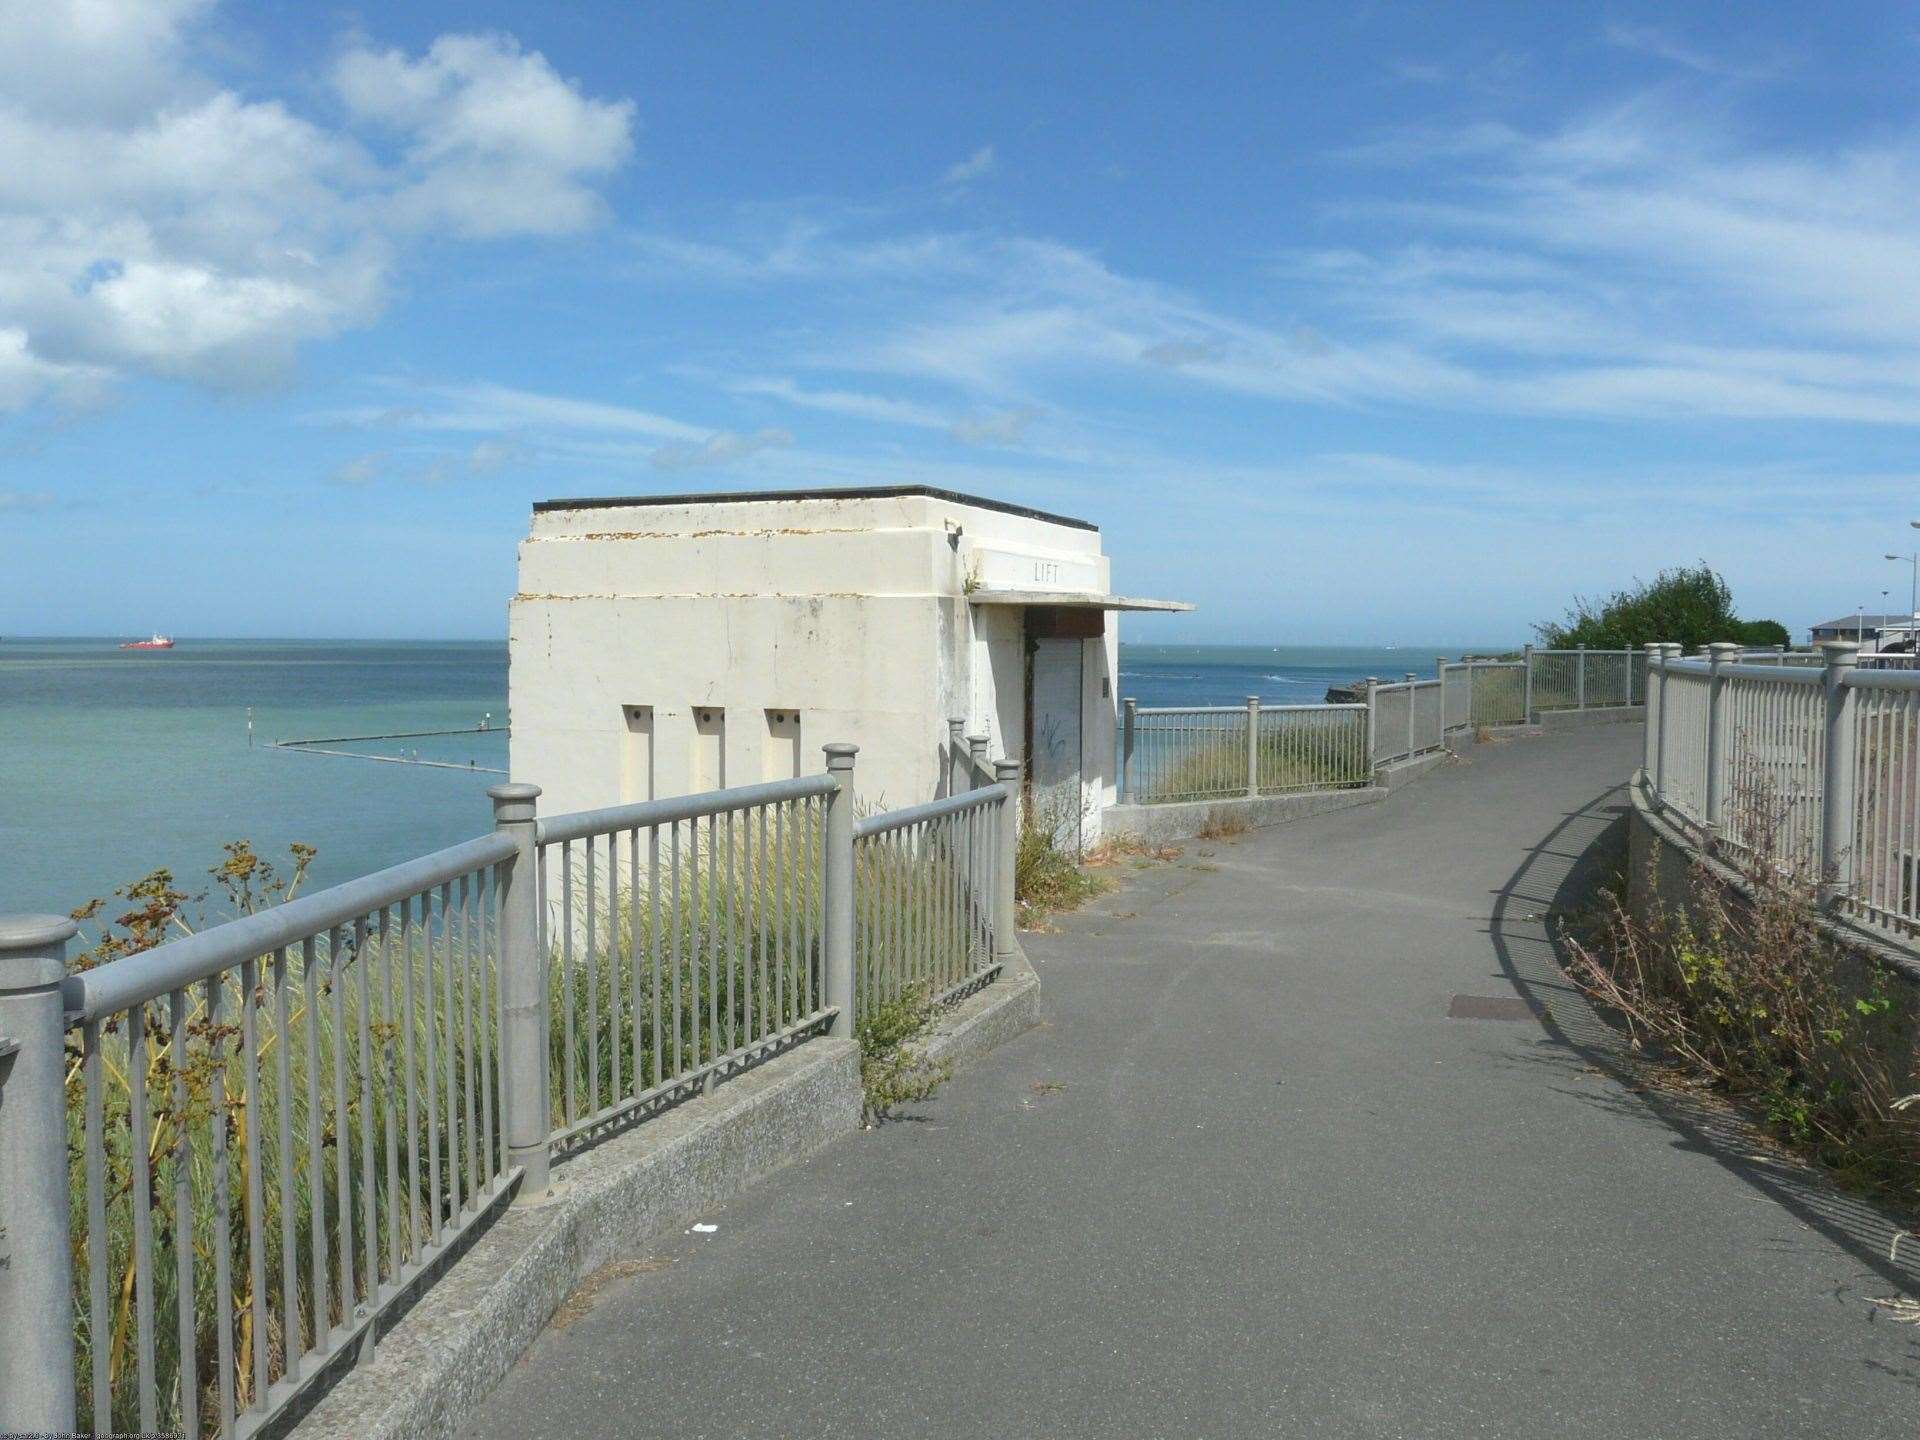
(525,1105)
(1580,679)
(1836,790)
(1656,696)
(956,754)
(1127,709)
(977,874)
(36,1254)
(1722,654)
(1412,680)
(1526,684)
(837,887)
(1007,772)
(1253,746)
(1669,652)
(1373,706)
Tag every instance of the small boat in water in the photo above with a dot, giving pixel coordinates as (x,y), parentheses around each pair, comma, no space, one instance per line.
(158,642)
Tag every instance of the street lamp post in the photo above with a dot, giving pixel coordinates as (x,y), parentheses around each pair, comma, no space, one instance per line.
(1913,594)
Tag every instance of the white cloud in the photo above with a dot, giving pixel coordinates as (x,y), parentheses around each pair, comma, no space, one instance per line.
(1637,263)
(1005,427)
(1642,262)
(976,166)
(724,447)
(154,222)
(94,59)
(496,142)
(1661,45)
(843,402)
(361,470)
(26,377)
(490,457)
(21,501)
(489,407)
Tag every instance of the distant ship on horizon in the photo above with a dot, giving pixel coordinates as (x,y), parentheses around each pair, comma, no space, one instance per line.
(157,642)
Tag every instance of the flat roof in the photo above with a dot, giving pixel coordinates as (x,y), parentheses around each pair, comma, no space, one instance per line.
(857,492)
(1075,600)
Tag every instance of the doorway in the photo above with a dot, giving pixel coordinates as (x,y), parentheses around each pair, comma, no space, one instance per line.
(1056,677)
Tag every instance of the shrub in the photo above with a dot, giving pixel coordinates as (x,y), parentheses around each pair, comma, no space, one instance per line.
(891,1072)
(1750,992)
(1691,605)
(1046,876)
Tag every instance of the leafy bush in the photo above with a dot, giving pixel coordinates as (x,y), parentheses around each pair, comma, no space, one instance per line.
(891,1072)
(1691,605)
(1046,876)
(1759,634)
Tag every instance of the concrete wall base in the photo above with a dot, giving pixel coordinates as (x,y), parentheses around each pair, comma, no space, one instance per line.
(1163,824)
(1551,720)
(1666,858)
(433,1371)
(1398,774)
(988,1018)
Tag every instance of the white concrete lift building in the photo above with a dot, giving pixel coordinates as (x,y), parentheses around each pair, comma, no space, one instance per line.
(661,645)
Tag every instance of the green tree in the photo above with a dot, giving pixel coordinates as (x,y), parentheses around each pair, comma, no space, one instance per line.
(1690,604)
(1758,634)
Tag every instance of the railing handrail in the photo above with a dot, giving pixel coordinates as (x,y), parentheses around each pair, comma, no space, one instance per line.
(1776,674)
(1699,667)
(1576,650)
(1881,679)
(134,979)
(579,824)
(888,820)
(1265,709)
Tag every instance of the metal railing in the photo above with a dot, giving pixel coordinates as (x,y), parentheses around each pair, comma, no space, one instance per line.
(684,937)
(1482,692)
(1582,679)
(1217,752)
(928,880)
(1814,771)
(1407,718)
(1170,754)
(262,1137)
(282,1122)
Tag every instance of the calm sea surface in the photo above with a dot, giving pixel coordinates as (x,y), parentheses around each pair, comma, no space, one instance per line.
(114,763)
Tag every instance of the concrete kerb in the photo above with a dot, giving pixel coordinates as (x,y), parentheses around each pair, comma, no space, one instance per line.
(989,1017)
(436,1367)
(1163,824)
(1396,774)
(1599,715)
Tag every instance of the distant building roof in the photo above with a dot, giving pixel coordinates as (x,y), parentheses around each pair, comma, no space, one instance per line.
(1866,622)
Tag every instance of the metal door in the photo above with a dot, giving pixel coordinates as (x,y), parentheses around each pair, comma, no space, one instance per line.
(1054,738)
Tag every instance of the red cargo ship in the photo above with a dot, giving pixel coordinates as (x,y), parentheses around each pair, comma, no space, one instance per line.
(158,642)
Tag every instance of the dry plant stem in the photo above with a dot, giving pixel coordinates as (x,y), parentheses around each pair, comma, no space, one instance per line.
(1745,987)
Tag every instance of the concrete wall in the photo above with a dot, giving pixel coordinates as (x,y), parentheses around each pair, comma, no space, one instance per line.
(661,649)
(1665,865)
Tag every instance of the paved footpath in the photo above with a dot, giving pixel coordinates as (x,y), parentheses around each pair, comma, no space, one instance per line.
(1250,1179)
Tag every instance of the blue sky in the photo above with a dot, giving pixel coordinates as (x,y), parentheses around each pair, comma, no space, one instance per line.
(1372,322)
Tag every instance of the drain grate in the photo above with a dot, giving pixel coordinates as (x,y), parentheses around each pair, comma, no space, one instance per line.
(1487,1007)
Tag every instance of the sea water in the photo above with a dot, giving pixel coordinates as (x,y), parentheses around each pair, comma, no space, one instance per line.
(115,763)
